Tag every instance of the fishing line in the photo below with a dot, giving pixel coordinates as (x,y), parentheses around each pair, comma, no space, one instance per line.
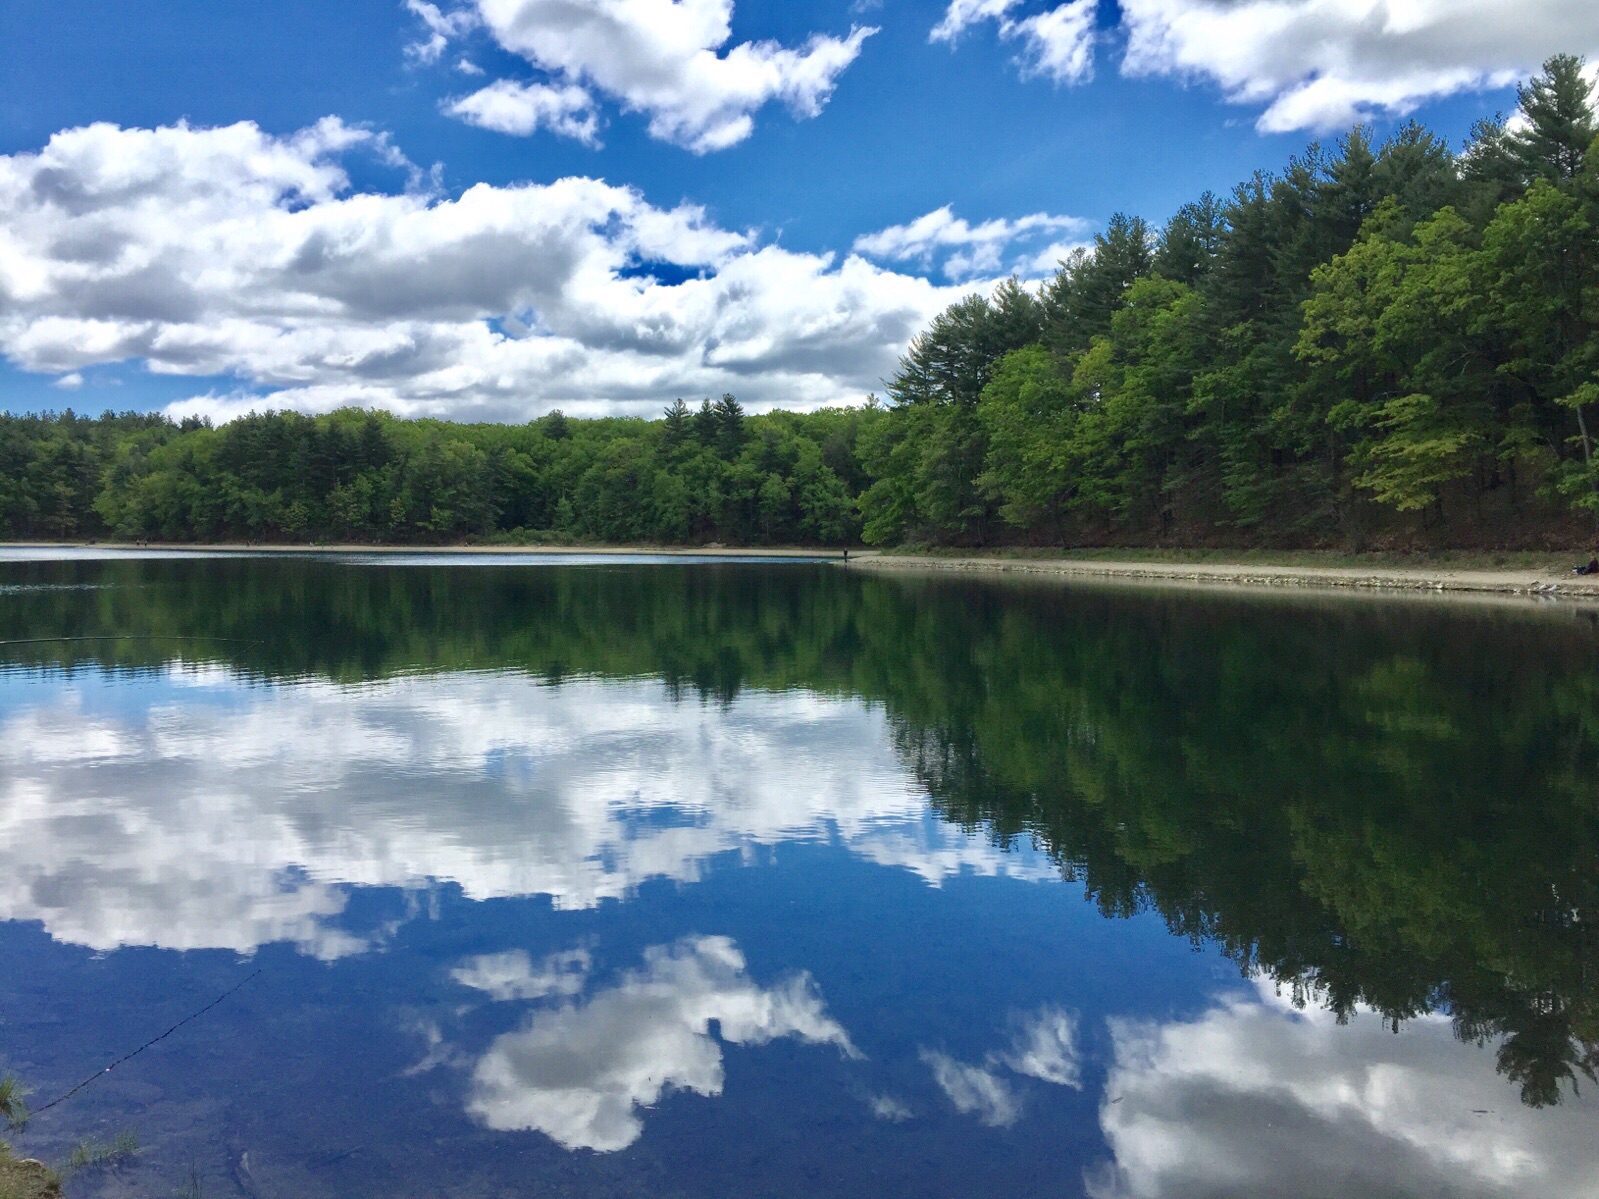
(153,1041)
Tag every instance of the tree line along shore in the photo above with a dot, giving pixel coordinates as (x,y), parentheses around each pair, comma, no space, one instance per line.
(1384,344)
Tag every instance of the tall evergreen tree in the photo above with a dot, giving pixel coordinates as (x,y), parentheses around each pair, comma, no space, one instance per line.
(705,424)
(1093,288)
(1490,168)
(1416,169)
(1558,122)
(675,428)
(1190,241)
(729,426)
(952,361)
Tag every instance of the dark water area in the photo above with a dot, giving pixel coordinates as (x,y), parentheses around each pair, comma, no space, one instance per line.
(776,879)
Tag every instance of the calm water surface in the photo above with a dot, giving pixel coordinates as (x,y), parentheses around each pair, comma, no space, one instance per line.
(759,879)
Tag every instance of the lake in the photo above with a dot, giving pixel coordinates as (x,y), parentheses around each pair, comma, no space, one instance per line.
(614,877)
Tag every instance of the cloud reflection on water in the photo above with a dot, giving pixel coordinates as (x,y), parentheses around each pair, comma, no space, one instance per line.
(975,1090)
(580,1073)
(217,815)
(1258,1099)
(513,975)
(1043,1046)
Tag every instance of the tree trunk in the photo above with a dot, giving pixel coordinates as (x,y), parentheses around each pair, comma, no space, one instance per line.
(1587,458)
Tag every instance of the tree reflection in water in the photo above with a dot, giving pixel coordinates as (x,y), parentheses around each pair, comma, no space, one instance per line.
(1389,804)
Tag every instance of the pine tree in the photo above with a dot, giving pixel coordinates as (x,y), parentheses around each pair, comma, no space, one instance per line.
(1189,243)
(1095,288)
(1490,168)
(729,426)
(705,424)
(555,427)
(1416,168)
(675,428)
(1350,193)
(1559,122)
(951,362)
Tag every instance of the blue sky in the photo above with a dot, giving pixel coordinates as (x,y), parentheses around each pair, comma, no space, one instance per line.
(756,190)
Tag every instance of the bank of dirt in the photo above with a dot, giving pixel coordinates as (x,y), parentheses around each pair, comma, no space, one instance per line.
(23,1178)
(1546,580)
(1546,575)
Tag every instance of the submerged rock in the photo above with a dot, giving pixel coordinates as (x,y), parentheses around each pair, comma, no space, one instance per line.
(24,1178)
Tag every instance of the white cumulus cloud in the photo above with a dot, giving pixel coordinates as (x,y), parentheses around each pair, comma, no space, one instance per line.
(1324,64)
(580,1074)
(233,252)
(971,250)
(524,108)
(441,29)
(1058,43)
(669,60)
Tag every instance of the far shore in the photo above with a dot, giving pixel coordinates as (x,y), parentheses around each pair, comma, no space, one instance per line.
(670,551)
(1546,575)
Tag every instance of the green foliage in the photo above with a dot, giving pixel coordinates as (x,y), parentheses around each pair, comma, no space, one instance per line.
(1376,336)
(1559,124)
(1090,289)
(675,426)
(13,1101)
(353,476)
(1378,331)
(93,1154)
(1190,241)
(1032,416)
(1419,450)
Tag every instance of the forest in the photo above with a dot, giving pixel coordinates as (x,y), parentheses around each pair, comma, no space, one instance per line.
(1383,344)
(695,477)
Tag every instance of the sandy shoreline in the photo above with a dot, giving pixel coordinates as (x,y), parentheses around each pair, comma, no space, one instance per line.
(1508,581)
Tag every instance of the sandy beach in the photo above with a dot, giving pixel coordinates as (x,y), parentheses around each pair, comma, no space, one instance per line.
(1547,581)
(1526,581)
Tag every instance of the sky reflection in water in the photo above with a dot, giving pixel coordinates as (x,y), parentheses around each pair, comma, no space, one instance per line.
(702,919)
